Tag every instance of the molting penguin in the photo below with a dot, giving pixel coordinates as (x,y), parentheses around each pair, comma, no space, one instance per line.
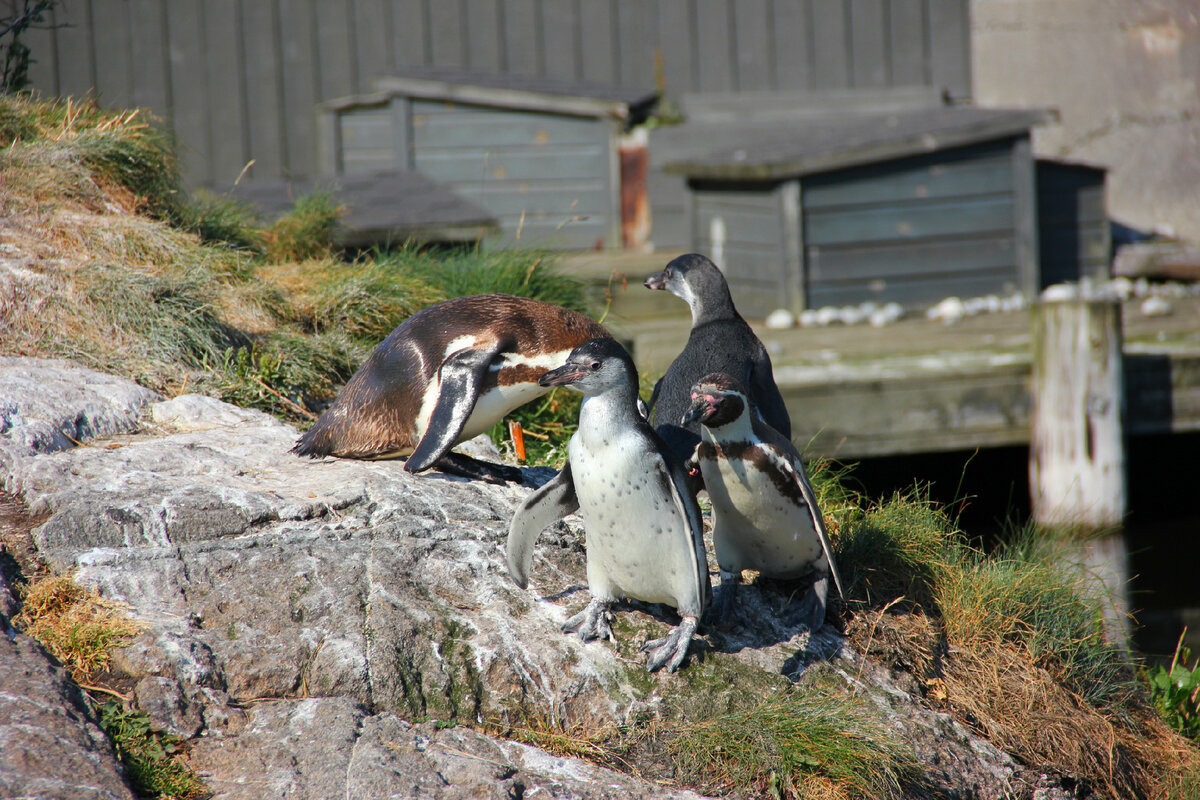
(447,374)
(765,514)
(643,529)
(720,341)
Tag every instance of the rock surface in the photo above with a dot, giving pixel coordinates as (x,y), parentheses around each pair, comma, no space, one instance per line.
(299,611)
(50,743)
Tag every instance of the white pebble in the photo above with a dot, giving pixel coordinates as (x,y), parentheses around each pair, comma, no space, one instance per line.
(1060,292)
(850,315)
(1156,307)
(779,319)
(949,310)
(1122,287)
(827,316)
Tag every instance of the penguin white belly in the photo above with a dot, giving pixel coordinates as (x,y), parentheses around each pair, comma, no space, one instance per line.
(638,543)
(755,526)
(495,403)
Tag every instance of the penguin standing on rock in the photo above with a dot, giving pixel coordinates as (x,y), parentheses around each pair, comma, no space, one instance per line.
(720,341)
(764,510)
(643,531)
(445,375)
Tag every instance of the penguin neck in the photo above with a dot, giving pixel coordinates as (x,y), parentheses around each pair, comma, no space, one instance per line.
(614,407)
(739,429)
(715,304)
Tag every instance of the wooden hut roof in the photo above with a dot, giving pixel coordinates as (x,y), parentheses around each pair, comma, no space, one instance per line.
(393,205)
(519,91)
(758,149)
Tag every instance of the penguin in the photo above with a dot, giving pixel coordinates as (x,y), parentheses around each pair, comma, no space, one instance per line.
(764,511)
(720,341)
(643,529)
(444,375)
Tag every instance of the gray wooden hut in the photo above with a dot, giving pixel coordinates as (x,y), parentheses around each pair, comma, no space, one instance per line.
(378,208)
(543,156)
(808,202)
(1074,233)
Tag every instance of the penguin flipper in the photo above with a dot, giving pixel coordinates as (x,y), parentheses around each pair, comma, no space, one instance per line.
(553,501)
(769,400)
(460,377)
(685,502)
(810,497)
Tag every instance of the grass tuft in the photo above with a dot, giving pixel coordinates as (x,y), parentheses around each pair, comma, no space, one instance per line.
(155,761)
(366,299)
(219,219)
(75,625)
(71,148)
(793,744)
(466,271)
(894,549)
(305,232)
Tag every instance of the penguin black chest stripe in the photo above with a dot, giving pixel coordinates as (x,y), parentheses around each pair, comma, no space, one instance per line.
(756,457)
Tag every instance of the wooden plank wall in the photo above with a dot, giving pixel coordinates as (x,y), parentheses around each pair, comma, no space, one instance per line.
(913,231)
(1074,237)
(238,79)
(548,179)
(741,228)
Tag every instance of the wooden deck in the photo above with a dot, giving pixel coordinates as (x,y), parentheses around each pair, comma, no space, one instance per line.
(915,386)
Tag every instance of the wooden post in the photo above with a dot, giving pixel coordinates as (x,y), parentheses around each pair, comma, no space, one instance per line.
(1076,443)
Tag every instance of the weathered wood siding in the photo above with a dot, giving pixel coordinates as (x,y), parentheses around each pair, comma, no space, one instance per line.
(914,230)
(741,227)
(238,80)
(1074,235)
(549,179)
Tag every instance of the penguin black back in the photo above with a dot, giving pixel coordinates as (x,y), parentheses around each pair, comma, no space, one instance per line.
(720,341)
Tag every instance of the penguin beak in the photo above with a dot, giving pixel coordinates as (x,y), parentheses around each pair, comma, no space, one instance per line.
(700,409)
(561,376)
(656,281)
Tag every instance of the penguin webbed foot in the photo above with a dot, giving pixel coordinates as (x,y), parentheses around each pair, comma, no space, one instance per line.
(668,652)
(811,609)
(592,622)
(724,608)
(465,466)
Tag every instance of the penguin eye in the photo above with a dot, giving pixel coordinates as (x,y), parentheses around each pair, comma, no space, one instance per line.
(595,365)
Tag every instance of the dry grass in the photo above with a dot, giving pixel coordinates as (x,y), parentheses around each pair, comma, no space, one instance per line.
(76,625)
(104,260)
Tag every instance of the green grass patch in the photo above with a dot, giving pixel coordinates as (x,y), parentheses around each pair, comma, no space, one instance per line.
(305,232)
(1175,692)
(219,219)
(155,761)
(366,299)
(791,744)
(1031,596)
(467,271)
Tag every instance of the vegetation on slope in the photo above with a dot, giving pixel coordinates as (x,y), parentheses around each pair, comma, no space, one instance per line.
(121,271)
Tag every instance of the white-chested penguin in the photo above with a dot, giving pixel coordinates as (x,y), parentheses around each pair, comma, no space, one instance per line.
(764,511)
(643,530)
(447,374)
(720,341)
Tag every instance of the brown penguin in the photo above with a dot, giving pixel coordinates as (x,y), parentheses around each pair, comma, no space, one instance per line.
(447,374)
